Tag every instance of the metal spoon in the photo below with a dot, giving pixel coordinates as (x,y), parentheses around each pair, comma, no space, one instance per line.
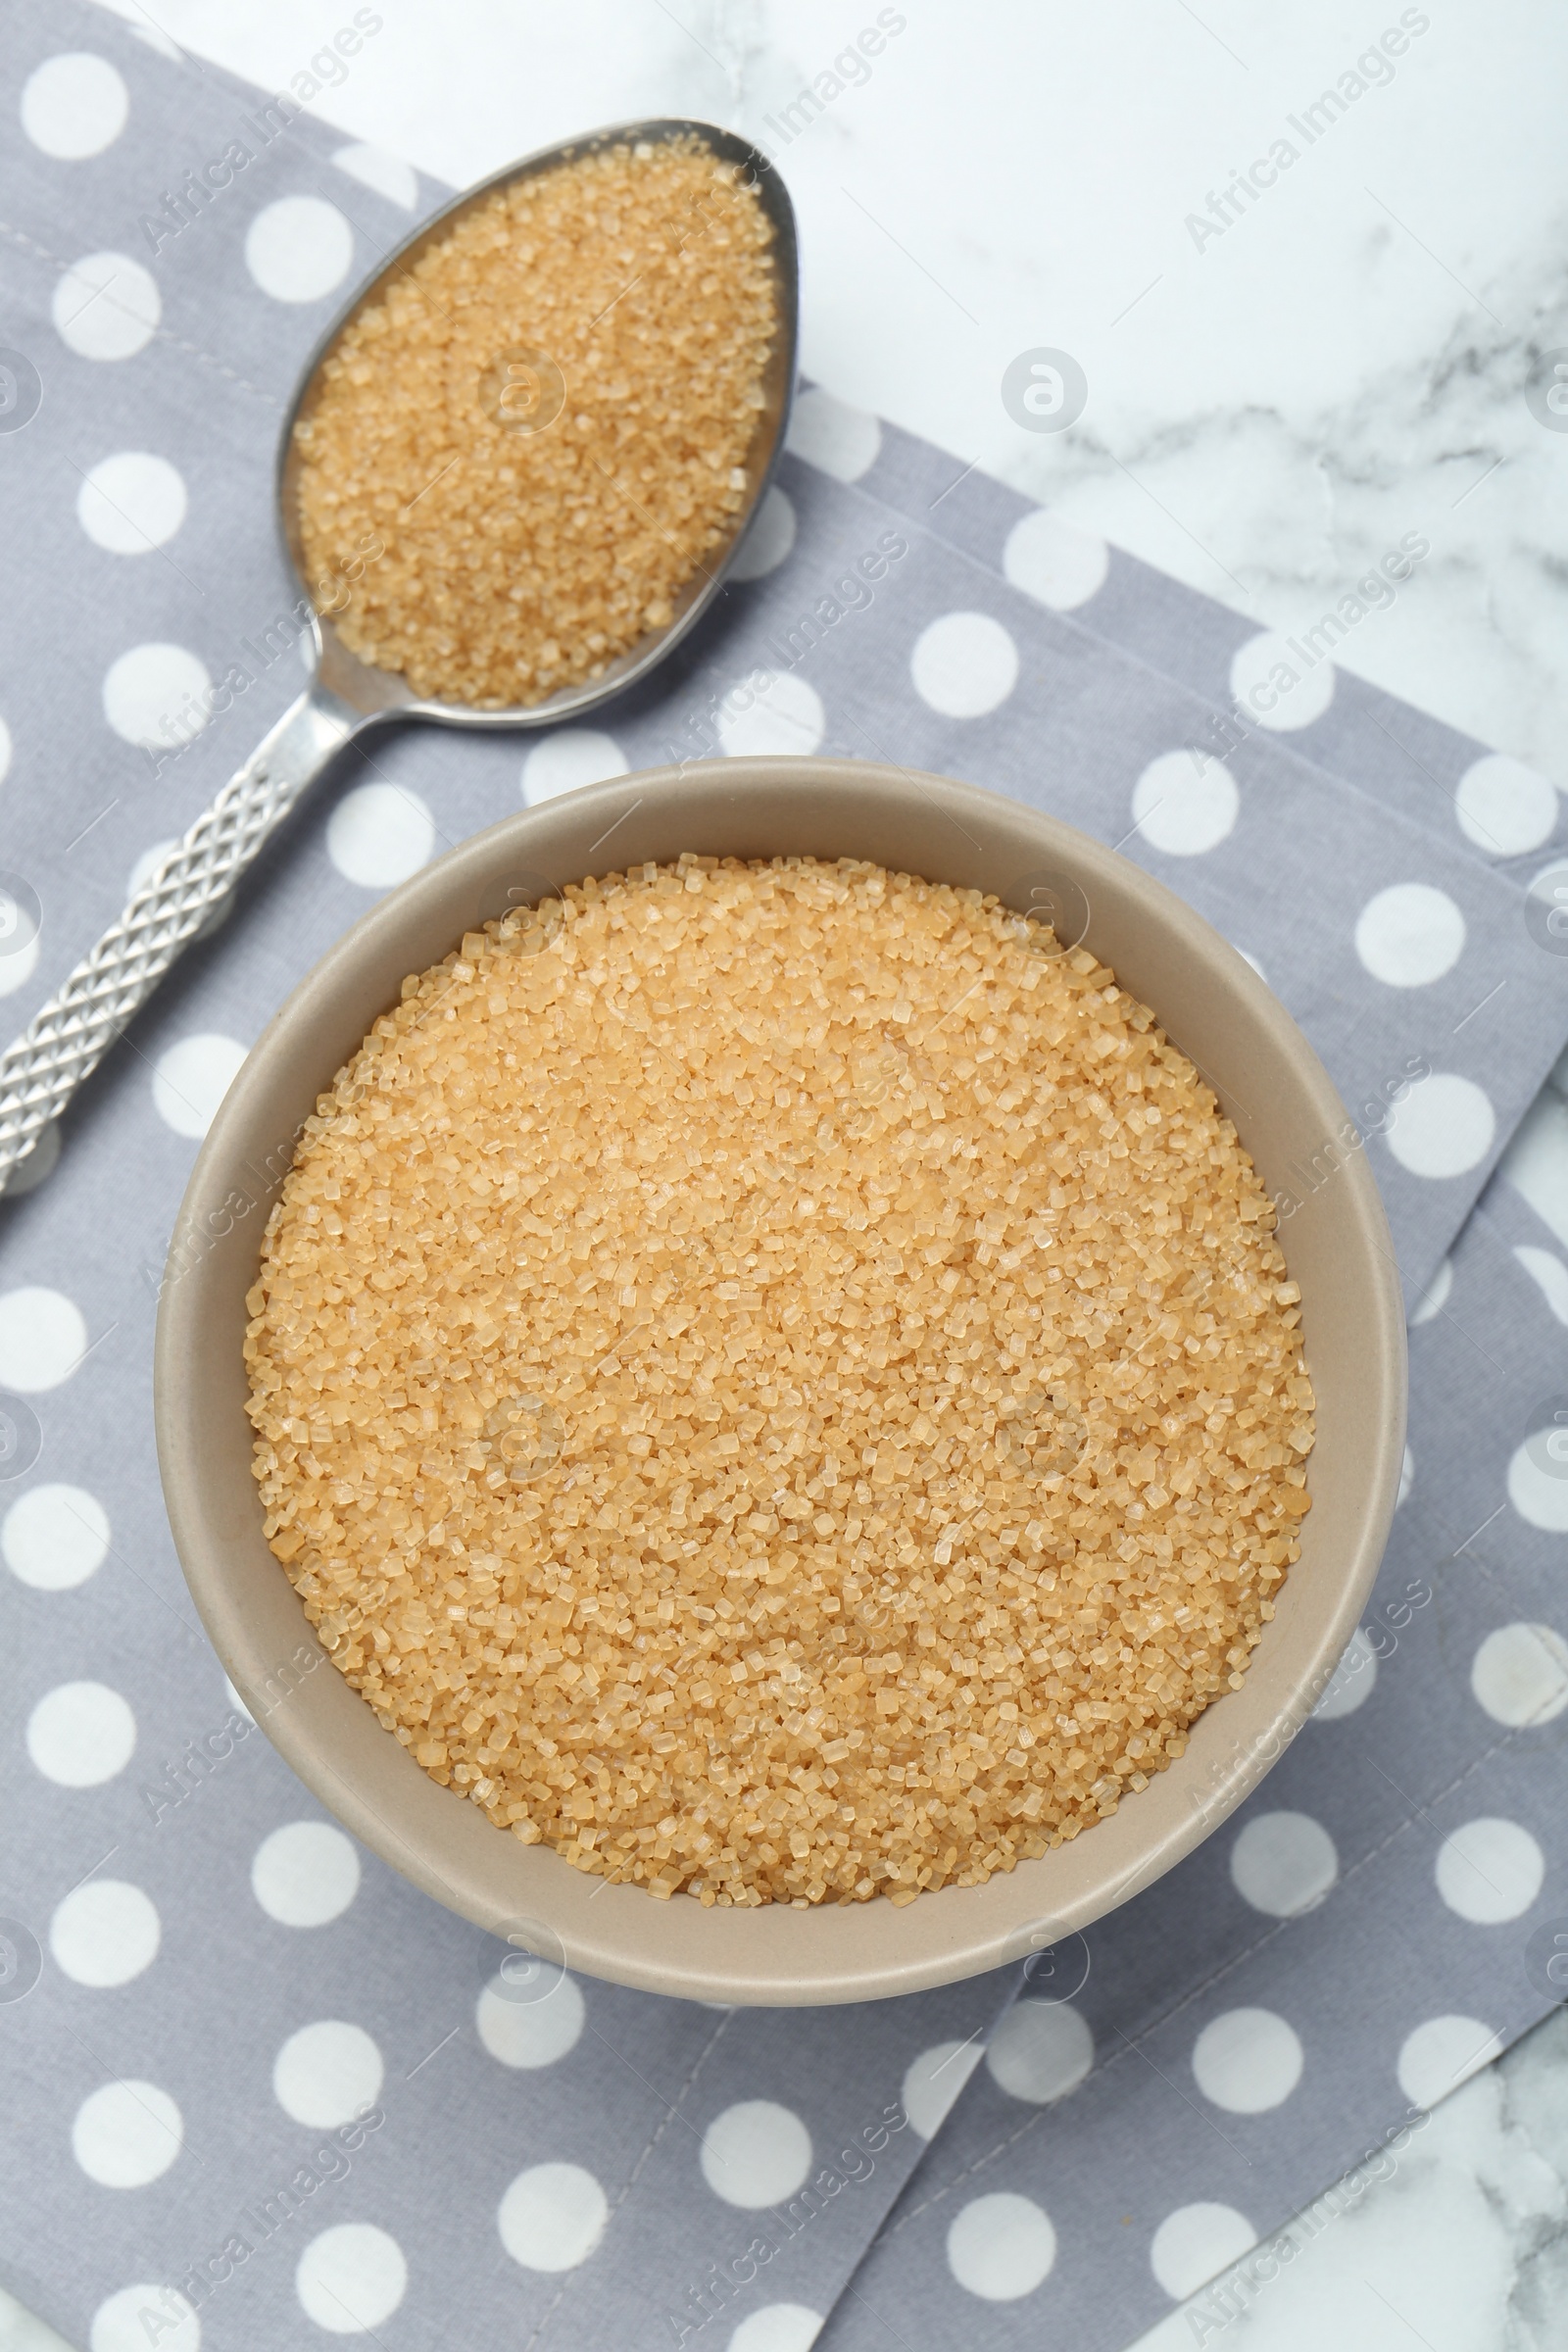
(67,1039)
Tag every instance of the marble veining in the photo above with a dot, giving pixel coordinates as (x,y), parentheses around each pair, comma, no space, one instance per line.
(1463,2248)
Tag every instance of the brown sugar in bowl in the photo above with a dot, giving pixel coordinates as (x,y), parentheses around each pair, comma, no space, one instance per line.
(779,1379)
(1212,1007)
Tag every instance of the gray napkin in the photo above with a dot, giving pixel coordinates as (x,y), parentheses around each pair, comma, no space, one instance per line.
(244,2062)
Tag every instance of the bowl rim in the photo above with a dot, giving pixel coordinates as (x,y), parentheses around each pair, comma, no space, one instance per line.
(764,1956)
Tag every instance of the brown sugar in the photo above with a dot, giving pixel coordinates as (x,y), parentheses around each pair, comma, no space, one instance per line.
(521,453)
(770,1383)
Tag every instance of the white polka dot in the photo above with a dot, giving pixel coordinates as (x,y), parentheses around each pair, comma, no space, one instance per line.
(1444,1127)
(1000,2247)
(137,2316)
(771,717)
(532,2033)
(55,1536)
(80,1735)
(1441,2054)
(934,2081)
(778,2327)
(570,757)
(769,539)
(1406,1478)
(1247,2060)
(964,665)
(1350,1686)
(1194,2243)
(1520,1675)
(157,696)
(1504,806)
(42,1340)
(106,306)
(191,1080)
(74,106)
(305,1874)
(380,834)
(1054,562)
(1409,935)
(351,2279)
(104,1934)
(829,434)
(299,248)
(126,2134)
(1549,1276)
(756,2153)
(14,973)
(551,2217)
(1538,1494)
(1040,2051)
(1490,1871)
(1284,1864)
(1435,1298)
(327,2073)
(1185,802)
(386,174)
(131,502)
(1272,685)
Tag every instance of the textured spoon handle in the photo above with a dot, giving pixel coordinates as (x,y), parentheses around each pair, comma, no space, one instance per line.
(69,1036)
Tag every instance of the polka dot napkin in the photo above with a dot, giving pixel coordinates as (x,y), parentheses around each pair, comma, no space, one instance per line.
(260,2091)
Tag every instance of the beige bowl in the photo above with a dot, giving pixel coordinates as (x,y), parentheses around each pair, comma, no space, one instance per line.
(1207,999)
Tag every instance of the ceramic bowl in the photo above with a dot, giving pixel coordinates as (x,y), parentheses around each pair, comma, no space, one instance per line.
(1335,1239)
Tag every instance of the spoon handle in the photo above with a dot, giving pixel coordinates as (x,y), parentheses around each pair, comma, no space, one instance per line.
(69,1036)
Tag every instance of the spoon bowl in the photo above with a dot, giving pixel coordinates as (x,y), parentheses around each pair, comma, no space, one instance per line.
(375,693)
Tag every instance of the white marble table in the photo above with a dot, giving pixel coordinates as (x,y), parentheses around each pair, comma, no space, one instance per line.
(1282,381)
(1271,404)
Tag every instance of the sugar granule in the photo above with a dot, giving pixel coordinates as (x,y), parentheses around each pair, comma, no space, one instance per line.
(512,563)
(770,1383)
